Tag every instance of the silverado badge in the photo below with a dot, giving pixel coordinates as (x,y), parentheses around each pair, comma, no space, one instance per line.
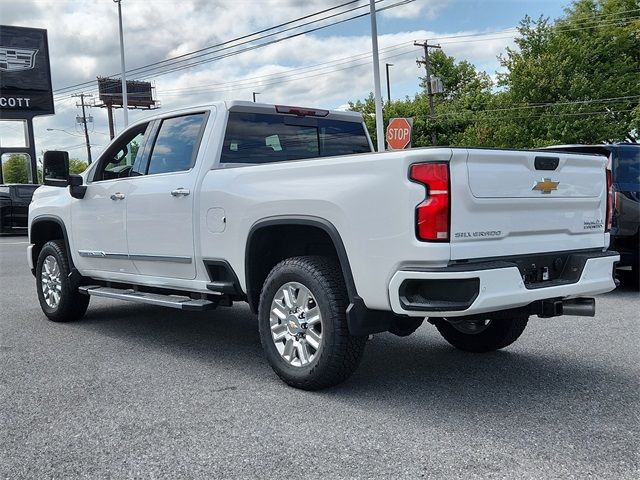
(546,186)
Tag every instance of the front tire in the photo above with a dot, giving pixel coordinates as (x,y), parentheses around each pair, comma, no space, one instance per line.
(484,333)
(303,325)
(58,294)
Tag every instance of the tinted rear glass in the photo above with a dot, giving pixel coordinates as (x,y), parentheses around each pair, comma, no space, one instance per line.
(626,168)
(266,138)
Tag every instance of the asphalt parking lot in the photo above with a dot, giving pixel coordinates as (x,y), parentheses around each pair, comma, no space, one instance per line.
(141,391)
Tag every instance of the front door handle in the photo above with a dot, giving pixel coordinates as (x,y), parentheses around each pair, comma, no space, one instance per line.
(117,196)
(180,192)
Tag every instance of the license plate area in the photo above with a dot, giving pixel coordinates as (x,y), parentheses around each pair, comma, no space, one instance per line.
(544,270)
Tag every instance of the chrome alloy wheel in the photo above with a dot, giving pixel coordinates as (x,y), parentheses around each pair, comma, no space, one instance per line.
(50,281)
(296,324)
(471,327)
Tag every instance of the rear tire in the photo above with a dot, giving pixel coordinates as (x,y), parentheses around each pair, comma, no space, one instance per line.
(303,325)
(483,333)
(58,294)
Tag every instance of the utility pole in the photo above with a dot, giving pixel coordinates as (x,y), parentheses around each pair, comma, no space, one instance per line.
(386,66)
(376,76)
(427,66)
(254,96)
(125,106)
(84,123)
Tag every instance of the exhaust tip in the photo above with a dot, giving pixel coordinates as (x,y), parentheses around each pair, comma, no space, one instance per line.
(582,307)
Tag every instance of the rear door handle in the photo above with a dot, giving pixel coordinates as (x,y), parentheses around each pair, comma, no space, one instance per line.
(117,196)
(180,192)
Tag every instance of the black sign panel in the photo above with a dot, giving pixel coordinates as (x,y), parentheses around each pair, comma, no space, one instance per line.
(25,74)
(139,94)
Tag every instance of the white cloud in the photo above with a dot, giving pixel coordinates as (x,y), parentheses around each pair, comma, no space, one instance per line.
(430,8)
(83,39)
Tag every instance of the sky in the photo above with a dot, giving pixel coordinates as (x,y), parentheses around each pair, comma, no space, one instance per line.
(324,69)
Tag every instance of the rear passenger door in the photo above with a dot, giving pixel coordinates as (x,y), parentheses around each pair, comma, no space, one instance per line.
(160,204)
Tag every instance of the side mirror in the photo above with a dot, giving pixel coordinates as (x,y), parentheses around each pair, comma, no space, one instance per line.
(56,168)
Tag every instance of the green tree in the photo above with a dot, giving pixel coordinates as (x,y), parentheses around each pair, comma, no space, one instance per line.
(465,88)
(15,169)
(77,166)
(574,81)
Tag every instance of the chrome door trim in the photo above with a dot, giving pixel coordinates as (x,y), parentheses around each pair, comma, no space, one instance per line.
(160,258)
(134,257)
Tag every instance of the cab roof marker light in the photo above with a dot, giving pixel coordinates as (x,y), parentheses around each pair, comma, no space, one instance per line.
(301,112)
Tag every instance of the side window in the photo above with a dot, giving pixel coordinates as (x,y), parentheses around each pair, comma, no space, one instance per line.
(177,144)
(118,161)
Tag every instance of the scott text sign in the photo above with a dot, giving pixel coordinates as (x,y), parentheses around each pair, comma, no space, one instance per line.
(25,76)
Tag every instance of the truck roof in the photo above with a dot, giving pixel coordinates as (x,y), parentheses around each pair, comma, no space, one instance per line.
(251,107)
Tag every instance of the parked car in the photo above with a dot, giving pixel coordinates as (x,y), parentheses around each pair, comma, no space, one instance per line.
(290,210)
(14,207)
(625,168)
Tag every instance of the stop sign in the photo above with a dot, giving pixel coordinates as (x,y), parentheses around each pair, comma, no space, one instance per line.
(398,133)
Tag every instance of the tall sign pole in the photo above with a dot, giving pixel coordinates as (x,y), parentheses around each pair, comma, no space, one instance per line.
(125,105)
(376,77)
(427,66)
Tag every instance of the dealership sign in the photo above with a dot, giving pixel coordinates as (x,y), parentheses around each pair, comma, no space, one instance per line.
(25,74)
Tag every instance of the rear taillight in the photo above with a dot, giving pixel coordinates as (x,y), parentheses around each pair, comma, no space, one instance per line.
(610,202)
(432,215)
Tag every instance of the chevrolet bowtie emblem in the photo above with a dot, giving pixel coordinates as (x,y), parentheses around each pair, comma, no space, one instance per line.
(546,186)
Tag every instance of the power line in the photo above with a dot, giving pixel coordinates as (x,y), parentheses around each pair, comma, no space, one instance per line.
(207,48)
(310,68)
(477,115)
(301,70)
(278,40)
(149,67)
(402,2)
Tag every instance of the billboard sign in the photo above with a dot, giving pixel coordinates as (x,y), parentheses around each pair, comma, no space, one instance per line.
(139,94)
(25,73)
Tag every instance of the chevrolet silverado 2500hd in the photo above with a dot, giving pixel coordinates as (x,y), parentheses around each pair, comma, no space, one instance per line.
(290,210)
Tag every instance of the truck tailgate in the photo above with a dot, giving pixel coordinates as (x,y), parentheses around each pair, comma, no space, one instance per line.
(518,202)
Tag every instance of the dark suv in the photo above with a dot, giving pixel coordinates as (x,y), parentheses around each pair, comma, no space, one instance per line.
(14,207)
(625,167)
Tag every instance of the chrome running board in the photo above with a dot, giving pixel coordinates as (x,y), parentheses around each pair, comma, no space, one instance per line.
(173,301)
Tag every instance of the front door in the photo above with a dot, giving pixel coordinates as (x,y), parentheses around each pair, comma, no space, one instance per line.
(160,204)
(99,219)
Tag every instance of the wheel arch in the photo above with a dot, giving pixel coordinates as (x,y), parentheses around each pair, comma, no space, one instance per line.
(360,319)
(255,271)
(45,228)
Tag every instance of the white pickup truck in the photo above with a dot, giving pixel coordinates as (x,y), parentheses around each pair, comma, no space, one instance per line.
(290,210)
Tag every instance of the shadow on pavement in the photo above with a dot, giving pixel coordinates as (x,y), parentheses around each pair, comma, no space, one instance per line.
(421,370)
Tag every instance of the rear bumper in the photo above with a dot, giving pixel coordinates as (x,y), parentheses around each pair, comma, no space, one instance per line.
(471,289)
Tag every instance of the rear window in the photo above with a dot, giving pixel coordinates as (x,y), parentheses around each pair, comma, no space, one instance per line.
(265,138)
